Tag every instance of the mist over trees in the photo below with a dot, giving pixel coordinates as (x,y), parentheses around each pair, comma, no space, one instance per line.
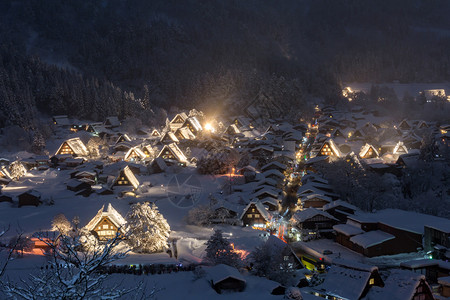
(92,58)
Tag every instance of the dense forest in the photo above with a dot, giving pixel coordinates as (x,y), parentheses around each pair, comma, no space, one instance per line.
(94,58)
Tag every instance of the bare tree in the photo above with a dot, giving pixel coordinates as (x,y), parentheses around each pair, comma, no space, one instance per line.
(76,272)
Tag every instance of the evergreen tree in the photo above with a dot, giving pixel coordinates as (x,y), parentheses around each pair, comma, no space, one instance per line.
(219,250)
(148,231)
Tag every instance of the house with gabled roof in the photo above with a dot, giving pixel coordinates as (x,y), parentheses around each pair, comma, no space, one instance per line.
(126,178)
(274,165)
(112,122)
(314,201)
(368,151)
(123,138)
(404,125)
(402,284)
(349,280)
(183,133)
(178,121)
(400,148)
(29,198)
(314,219)
(265,192)
(232,129)
(134,154)
(168,137)
(329,148)
(106,224)
(225,278)
(5,176)
(74,147)
(340,209)
(255,215)
(62,121)
(193,124)
(171,153)
(155,133)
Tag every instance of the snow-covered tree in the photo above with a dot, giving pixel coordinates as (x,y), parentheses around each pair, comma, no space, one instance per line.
(17,170)
(74,273)
(219,251)
(268,261)
(293,293)
(199,215)
(38,143)
(61,224)
(148,230)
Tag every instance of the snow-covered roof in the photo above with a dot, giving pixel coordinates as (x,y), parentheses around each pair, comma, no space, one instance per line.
(366,148)
(123,138)
(111,214)
(267,181)
(401,284)
(185,133)
(400,148)
(333,147)
(262,147)
(304,215)
(221,272)
(130,176)
(339,203)
(182,115)
(76,145)
(32,193)
(420,263)
(171,135)
(406,220)
(195,123)
(345,282)
(276,164)
(112,121)
(314,196)
(269,200)
(371,238)
(173,148)
(351,264)
(273,172)
(260,207)
(266,190)
(347,229)
(62,120)
(137,151)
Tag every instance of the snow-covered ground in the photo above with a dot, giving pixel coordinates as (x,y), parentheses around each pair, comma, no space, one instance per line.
(400,88)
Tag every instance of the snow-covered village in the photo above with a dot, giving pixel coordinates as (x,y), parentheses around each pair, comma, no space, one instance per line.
(176,157)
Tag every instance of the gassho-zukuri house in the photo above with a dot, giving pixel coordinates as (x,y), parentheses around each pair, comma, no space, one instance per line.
(106,224)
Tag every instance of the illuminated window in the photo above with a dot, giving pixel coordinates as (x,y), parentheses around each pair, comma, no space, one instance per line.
(256,215)
(372,281)
(250,216)
(105,226)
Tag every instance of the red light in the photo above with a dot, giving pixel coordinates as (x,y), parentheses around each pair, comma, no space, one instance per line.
(320,258)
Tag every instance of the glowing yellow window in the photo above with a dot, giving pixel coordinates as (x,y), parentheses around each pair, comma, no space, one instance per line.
(372,281)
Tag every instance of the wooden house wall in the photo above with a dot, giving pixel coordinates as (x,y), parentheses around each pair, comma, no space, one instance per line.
(27,199)
(65,149)
(105,229)
(122,180)
(252,210)
(315,202)
(229,284)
